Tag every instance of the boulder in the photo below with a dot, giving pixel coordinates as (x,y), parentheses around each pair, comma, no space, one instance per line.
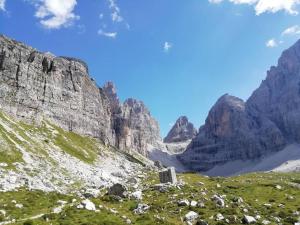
(191,216)
(168,176)
(248,219)
(119,190)
(141,208)
(87,204)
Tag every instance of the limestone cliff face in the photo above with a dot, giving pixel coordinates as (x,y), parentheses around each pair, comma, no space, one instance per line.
(132,122)
(266,123)
(182,131)
(36,86)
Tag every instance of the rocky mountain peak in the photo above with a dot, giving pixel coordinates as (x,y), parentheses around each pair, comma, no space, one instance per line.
(110,91)
(182,131)
(265,124)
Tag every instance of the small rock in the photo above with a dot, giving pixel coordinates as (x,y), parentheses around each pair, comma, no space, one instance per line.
(137,195)
(218,200)
(265,222)
(141,208)
(238,200)
(80,206)
(219,217)
(183,202)
(118,190)
(201,222)
(249,219)
(193,203)
(278,187)
(191,216)
(19,206)
(88,205)
(113,211)
(268,205)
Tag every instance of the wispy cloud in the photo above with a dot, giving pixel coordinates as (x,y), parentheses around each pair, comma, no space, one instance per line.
(294,30)
(55,14)
(107,34)
(264,6)
(2,5)
(167,46)
(272,43)
(116,20)
(115,11)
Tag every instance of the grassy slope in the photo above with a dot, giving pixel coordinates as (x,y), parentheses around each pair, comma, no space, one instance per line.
(38,139)
(255,189)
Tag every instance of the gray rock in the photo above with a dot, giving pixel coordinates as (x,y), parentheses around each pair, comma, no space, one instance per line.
(168,176)
(119,190)
(141,208)
(182,131)
(158,164)
(201,222)
(218,200)
(249,219)
(191,216)
(183,202)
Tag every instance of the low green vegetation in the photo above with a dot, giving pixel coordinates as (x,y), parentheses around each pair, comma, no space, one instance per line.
(15,136)
(272,196)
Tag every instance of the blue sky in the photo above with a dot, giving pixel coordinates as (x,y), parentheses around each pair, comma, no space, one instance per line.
(178,57)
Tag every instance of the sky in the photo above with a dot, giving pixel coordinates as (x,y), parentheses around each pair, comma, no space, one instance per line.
(178,57)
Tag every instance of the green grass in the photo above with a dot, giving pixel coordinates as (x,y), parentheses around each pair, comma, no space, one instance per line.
(37,139)
(255,189)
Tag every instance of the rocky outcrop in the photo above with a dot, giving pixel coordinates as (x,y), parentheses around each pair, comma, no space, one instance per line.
(36,86)
(132,122)
(182,131)
(266,123)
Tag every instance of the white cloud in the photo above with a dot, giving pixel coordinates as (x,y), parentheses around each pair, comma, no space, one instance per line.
(107,34)
(294,30)
(215,1)
(115,11)
(167,46)
(263,6)
(54,14)
(272,43)
(2,5)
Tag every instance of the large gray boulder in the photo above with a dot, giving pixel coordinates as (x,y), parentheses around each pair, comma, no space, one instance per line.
(182,131)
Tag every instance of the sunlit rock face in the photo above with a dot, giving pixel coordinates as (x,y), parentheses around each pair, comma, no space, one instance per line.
(132,123)
(37,85)
(182,131)
(266,123)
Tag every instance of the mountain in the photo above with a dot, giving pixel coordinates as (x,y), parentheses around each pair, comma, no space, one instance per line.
(133,125)
(182,131)
(39,86)
(265,124)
